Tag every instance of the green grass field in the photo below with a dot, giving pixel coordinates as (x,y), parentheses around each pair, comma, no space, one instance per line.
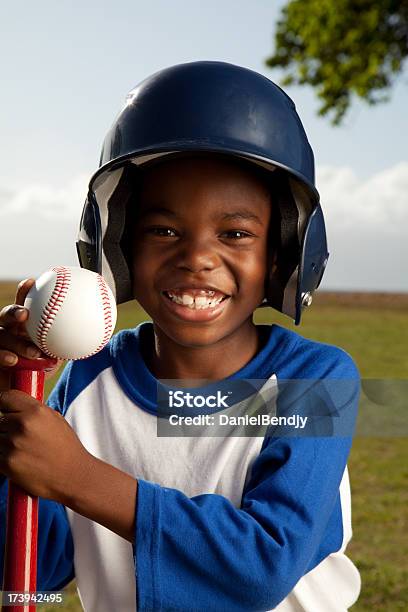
(373,328)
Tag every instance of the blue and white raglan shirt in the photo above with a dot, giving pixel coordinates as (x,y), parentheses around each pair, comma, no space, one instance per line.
(222,523)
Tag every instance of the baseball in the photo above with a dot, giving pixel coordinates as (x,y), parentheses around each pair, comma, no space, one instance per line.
(72,312)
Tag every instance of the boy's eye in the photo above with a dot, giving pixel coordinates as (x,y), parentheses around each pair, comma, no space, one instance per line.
(169,232)
(241,234)
(160,231)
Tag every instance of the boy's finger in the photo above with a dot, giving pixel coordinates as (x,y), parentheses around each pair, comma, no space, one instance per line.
(22,290)
(7,358)
(13,313)
(14,400)
(16,313)
(17,345)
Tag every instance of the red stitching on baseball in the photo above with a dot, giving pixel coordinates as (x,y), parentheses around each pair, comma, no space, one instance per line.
(53,305)
(107,313)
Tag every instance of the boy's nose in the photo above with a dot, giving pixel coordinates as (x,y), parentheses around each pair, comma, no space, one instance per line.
(197,254)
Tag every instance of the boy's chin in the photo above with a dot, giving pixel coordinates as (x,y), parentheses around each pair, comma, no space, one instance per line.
(203,335)
(195,337)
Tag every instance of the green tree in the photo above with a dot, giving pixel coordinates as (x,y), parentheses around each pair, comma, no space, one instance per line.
(342,48)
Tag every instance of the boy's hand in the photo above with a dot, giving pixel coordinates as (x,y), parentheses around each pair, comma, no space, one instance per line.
(39,450)
(14,339)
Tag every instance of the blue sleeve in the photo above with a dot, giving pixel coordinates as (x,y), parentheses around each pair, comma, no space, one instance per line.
(55,558)
(204,553)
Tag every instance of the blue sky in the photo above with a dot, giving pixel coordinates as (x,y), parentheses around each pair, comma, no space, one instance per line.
(66,69)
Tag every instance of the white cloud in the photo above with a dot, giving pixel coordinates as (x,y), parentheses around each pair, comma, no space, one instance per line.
(45,200)
(379,203)
(367,227)
(39,225)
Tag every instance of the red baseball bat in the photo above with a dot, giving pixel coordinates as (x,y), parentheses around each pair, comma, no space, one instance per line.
(20,561)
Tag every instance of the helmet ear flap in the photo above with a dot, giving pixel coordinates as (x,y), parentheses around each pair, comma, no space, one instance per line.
(283,245)
(89,242)
(313,260)
(297,254)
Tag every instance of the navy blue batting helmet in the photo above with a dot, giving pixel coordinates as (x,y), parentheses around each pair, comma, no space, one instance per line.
(209,107)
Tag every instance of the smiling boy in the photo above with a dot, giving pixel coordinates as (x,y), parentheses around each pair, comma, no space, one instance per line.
(203,209)
(207,238)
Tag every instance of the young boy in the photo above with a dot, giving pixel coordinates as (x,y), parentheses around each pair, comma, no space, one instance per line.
(203,209)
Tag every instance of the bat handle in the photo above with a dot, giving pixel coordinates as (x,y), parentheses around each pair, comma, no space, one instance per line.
(20,561)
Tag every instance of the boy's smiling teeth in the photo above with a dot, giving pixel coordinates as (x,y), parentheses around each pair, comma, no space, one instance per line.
(196,299)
